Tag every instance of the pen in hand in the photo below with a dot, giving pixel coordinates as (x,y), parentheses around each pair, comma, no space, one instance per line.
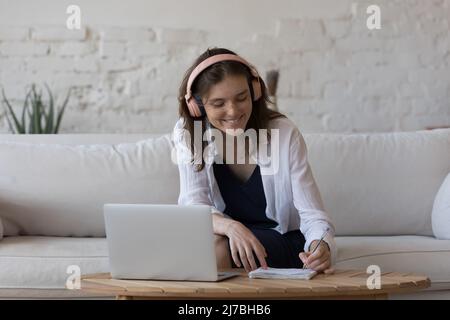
(318,244)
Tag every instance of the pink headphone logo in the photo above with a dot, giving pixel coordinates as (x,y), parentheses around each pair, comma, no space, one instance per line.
(194,108)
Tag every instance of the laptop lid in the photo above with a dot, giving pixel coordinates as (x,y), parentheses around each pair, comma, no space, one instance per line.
(159,241)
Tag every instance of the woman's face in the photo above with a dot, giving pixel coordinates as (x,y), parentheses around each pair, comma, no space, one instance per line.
(228,104)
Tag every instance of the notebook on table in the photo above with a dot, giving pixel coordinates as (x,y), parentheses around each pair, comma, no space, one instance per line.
(277,273)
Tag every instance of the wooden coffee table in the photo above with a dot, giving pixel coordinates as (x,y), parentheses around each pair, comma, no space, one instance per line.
(343,284)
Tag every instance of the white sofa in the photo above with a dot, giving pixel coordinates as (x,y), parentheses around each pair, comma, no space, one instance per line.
(379,189)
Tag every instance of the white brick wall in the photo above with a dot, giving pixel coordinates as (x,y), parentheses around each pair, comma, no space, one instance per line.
(126,34)
(50,33)
(14,33)
(335,74)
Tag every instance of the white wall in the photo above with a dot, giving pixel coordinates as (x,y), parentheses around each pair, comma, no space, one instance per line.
(336,75)
(228,19)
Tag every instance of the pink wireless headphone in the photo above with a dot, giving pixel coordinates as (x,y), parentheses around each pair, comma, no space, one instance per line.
(194,108)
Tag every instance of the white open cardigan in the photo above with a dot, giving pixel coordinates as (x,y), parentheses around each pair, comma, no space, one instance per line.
(293,199)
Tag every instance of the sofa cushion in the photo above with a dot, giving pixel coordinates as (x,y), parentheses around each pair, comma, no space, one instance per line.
(59,190)
(42,262)
(417,254)
(440,217)
(380,183)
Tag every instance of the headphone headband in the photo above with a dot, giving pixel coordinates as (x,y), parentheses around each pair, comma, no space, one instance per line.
(212,60)
(197,109)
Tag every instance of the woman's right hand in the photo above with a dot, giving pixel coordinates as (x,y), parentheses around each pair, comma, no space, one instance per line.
(242,245)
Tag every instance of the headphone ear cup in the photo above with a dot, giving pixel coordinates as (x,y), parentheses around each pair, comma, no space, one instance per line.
(257,90)
(198,106)
(193,108)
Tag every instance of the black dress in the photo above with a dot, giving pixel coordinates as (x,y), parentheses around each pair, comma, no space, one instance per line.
(246,203)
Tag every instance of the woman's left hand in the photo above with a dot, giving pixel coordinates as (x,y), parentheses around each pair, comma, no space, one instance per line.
(320,260)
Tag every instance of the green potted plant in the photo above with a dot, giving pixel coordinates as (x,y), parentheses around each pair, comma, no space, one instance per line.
(38,116)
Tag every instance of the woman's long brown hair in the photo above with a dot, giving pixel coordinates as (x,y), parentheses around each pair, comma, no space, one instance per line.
(261,114)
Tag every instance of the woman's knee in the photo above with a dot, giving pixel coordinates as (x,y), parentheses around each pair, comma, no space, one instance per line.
(223,256)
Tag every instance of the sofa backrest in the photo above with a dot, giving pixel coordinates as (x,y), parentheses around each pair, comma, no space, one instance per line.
(380,183)
(78,139)
(56,186)
(371,184)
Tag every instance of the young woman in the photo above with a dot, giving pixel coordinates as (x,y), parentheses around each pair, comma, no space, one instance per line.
(273,219)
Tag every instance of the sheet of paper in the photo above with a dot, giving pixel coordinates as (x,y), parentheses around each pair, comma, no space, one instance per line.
(277,273)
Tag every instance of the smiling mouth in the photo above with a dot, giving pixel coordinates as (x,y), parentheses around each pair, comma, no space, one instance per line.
(233,121)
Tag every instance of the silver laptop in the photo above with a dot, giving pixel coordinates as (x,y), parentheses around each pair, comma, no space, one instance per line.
(161,242)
